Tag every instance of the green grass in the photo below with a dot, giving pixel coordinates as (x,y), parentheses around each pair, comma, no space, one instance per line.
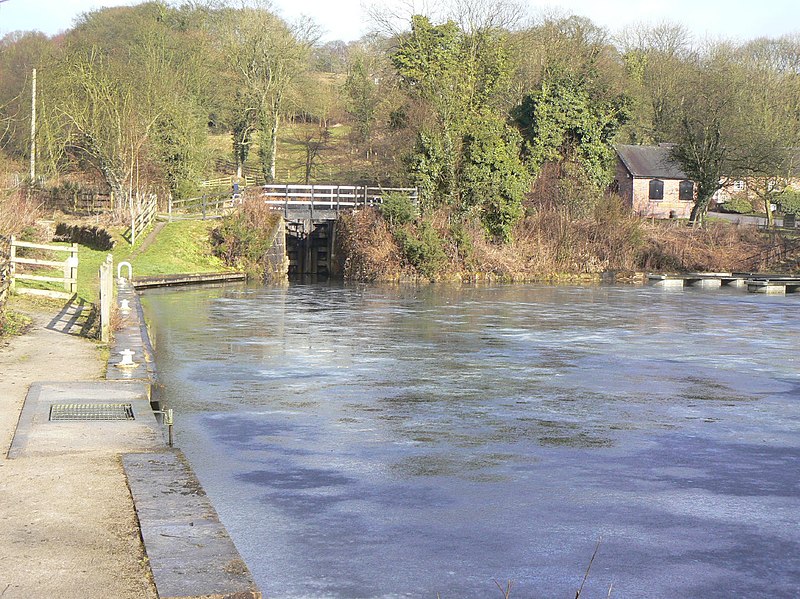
(13,323)
(180,248)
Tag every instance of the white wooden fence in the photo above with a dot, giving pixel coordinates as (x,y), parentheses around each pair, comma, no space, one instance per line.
(140,221)
(69,267)
(330,197)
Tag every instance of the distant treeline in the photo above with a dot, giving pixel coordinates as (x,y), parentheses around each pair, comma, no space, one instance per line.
(488,112)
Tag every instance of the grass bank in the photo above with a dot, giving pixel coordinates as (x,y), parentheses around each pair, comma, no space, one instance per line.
(179,248)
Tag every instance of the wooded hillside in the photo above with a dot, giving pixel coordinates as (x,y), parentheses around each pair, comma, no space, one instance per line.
(490,112)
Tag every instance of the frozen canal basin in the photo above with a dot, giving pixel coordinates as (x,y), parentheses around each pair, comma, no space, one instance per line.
(398,442)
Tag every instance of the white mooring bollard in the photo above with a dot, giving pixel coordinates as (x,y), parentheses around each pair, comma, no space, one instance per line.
(127,359)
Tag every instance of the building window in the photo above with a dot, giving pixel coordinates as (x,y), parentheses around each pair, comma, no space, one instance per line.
(738,186)
(656,189)
(686,191)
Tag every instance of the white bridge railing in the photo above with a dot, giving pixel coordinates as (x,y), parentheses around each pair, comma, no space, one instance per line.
(330,197)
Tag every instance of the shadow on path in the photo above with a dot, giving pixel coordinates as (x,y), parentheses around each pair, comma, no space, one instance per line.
(76,318)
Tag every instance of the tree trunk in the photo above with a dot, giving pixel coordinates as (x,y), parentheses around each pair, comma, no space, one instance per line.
(697,218)
(268,144)
(767,206)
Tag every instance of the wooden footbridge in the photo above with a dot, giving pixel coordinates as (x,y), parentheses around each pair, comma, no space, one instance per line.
(326,201)
(771,284)
(310,212)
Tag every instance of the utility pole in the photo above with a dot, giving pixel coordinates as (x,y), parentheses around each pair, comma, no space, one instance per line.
(33,129)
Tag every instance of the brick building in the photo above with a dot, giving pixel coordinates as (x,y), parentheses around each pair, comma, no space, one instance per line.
(651,183)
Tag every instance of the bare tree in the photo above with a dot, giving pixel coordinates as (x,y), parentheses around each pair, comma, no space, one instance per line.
(475,16)
(267,56)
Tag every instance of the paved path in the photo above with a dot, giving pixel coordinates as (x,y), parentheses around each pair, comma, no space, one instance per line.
(67,524)
(67,521)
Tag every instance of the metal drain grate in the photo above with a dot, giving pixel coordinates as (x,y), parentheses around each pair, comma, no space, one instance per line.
(91,411)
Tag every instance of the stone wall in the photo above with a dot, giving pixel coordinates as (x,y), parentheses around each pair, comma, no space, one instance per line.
(276,261)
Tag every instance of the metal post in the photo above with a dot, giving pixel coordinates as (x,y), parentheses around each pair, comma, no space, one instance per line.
(169,422)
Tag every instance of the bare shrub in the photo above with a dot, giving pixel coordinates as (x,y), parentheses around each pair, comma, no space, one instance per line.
(18,212)
(718,247)
(244,238)
(549,243)
(366,248)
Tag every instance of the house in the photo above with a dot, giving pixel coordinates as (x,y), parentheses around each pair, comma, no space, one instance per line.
(755,188)
(651,183)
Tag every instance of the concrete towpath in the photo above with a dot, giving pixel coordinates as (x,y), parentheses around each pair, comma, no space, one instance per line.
(67,523)
(87,474)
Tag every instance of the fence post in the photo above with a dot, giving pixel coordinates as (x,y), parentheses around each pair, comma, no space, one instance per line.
(106,296)
(133,227)
(71,270)
(12,253)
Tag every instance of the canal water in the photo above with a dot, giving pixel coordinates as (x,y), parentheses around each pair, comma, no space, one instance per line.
(436,442)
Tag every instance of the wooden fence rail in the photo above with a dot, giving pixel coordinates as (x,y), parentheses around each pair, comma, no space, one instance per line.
(330,197)
(140,221)
(68,266)
(200,208)
(228,181)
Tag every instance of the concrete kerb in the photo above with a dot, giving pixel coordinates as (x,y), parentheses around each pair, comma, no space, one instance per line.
(189,550)
(132,335)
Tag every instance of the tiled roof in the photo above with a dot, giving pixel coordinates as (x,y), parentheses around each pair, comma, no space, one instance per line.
(649,161)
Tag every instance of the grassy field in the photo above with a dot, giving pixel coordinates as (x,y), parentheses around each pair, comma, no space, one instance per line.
(335,163)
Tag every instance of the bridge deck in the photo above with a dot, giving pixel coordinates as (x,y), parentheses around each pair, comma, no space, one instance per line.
(313,201)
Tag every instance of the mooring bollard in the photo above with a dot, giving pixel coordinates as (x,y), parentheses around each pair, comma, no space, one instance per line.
(127,359)
(124,306)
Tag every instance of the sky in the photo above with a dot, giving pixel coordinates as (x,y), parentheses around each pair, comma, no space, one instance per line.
(347,20)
